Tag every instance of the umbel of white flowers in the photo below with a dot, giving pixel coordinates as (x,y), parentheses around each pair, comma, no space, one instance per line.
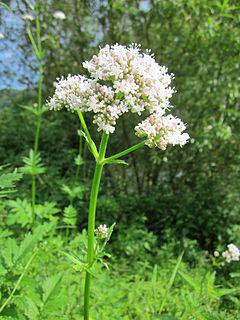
(232,253)
(124,79)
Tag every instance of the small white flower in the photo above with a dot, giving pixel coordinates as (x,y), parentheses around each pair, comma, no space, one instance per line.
(59,15)
(2,36)
(232,254)
(216,254)
(27,17)
(102,231)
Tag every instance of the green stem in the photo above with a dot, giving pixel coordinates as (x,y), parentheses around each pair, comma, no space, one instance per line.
(38,51)
(33,197)
(90,142)
(18,282)
(125,152)
(79,154)
(91,219)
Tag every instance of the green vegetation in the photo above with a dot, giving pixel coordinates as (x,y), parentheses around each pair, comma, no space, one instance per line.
(172,208)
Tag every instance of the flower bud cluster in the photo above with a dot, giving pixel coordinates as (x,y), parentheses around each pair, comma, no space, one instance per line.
(123,79)
(101,231)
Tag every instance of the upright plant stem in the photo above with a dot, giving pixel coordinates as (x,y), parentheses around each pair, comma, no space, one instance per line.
(80,147)
(38,51)
(91,219)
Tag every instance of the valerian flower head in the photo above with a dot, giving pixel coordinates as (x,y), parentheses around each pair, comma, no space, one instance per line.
(59,15)
(123,79)
(232,254)
(102,231)
(160,131)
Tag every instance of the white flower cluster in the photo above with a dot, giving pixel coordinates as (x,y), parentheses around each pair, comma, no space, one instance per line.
(59,15)
(102,231)
(232,254)
(123,79)
(27,17)
(162,130)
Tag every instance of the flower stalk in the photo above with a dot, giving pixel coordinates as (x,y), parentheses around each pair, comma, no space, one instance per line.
(37,46)
(100,162)
(91,219)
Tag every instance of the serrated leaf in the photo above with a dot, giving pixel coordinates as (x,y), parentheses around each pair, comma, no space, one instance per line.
(33,165)
(28,243)
(20,212)
(49,287)
(74,192)
(8,252)
(52,297)
(8,182)
(70,215)
(47,210)
(27,305)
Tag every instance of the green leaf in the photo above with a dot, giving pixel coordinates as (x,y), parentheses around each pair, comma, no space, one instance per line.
(78,160)
(5,234)
(70,215)
(74,192)
(192,282)
(20,212)
(171,281)
(34,109)
(72,258)
(53,297)
(28,243)
(117,161)
(33,165)
(223,292)
(8,182)
(49,287)
(8,252)
(47,210)
(27,306)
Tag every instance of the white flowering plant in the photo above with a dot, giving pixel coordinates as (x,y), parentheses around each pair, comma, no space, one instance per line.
(232,253)
(121,79)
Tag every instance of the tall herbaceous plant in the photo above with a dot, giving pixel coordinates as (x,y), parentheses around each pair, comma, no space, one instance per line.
(121,79)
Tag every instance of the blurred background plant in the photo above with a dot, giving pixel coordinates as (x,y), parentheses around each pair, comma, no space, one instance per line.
(163,202)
